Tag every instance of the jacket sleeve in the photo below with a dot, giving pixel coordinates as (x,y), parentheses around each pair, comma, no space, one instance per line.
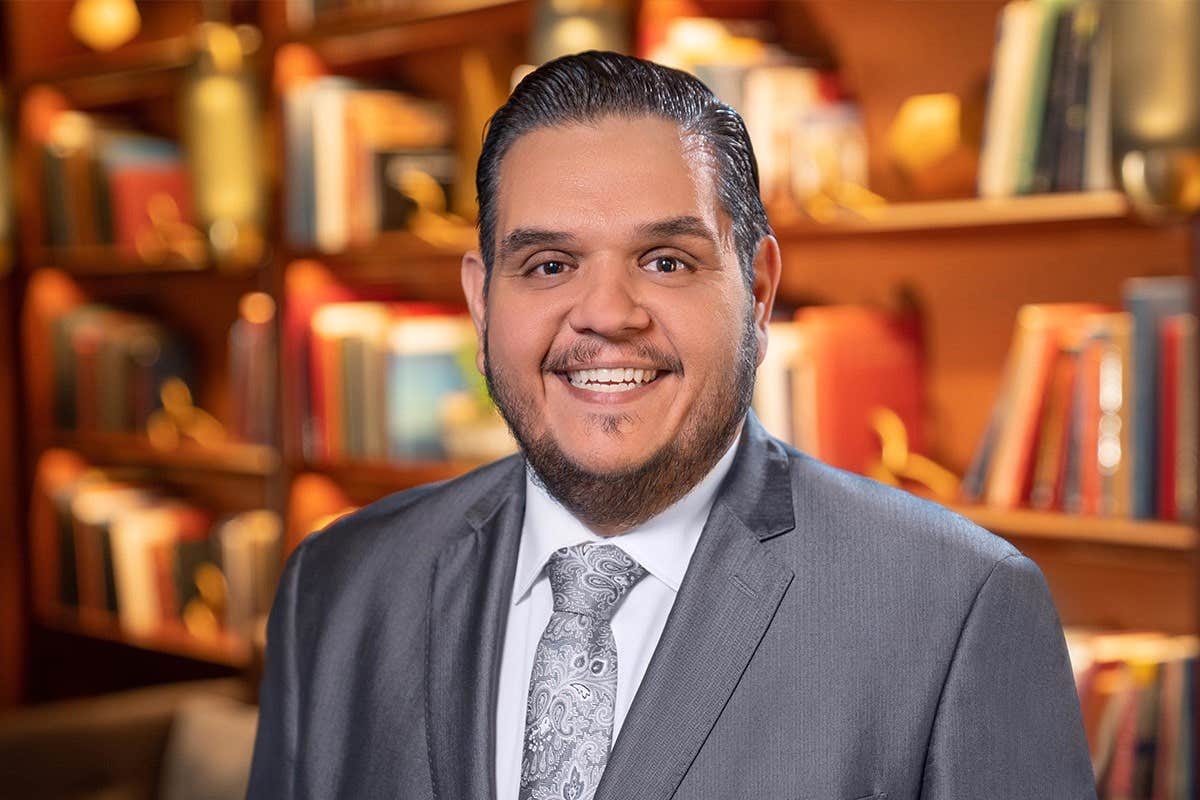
(1008,723)
(272,772)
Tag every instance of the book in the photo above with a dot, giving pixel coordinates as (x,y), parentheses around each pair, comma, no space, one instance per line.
(426,361)
(776,388)
(1033,110)
(1014,64)
(1078,80)
(1049,472)
(250,547)
(1149,300)
(1036,342)
(847,362)
(1183,331)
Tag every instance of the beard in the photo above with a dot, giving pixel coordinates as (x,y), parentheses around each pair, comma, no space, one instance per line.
(621,499)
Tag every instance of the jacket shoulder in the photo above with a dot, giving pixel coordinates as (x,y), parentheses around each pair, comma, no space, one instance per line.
(417,521)
(887,523)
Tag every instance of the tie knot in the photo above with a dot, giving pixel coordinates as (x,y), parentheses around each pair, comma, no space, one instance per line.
(590,579)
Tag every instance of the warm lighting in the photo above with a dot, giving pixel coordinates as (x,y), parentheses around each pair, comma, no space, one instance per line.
(105,24)
(925,131)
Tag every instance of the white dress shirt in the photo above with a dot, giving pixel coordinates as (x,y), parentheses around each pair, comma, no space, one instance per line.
(663,545)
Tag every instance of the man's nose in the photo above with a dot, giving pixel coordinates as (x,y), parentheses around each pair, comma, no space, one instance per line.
(608,304)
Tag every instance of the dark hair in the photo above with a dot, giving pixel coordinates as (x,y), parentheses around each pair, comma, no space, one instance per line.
(585,87)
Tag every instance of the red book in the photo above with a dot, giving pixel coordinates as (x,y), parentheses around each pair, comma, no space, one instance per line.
(859,360)
(1089,438)
(135,189)
(1170,340)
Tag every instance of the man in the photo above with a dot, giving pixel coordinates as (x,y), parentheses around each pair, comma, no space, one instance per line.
(656,599)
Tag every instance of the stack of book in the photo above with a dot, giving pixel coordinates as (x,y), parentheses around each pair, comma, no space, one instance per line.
(109,367)
(826,374)
(127,551)
(108,185)
(383,380)
(1047,127)
(1097,410)
(361,160)
(1137,694)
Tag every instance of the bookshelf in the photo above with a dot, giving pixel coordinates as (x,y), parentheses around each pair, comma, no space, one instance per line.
(194,293)
(970,263)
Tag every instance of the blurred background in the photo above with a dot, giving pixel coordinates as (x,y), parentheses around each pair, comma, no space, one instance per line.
(230,312)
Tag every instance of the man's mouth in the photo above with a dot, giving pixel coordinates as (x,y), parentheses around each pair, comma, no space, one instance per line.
(612,379)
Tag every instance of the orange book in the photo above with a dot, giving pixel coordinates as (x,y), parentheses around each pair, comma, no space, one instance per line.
(858,360)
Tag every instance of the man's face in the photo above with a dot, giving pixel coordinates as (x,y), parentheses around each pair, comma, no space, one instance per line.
(620,334)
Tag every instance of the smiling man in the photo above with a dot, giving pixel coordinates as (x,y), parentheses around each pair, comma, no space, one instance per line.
(655,598)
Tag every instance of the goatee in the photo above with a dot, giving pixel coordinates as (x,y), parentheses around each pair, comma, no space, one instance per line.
(620,500)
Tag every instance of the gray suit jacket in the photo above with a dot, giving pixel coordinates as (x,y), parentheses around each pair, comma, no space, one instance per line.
(833,639)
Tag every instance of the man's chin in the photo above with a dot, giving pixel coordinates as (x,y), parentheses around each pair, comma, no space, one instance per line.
(601,462)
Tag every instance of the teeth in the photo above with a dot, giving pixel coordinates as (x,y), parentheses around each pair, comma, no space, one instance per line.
(617,379)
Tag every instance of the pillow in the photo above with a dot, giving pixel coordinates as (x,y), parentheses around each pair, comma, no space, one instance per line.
(209,750)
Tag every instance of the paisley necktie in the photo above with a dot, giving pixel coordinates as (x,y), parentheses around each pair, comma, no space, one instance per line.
(572,691)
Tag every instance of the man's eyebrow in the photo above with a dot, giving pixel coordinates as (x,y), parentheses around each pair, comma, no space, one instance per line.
(679,226)
(522,238)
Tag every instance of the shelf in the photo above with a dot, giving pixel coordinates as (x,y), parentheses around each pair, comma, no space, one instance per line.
(344,39)
(379,260)
(173,639)
(109,260)
(949,215)
(132,72)
(131,449)
(1059,527)
(392,476)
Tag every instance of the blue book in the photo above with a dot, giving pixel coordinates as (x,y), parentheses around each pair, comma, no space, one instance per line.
(1149,300)
(423,367)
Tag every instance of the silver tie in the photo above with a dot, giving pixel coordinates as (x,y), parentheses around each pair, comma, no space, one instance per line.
(573,688)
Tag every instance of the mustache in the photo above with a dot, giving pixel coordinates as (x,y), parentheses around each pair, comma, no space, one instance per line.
(585,350)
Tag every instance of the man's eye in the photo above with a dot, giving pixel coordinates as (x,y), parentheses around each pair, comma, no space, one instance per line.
(549,268)
(667,264)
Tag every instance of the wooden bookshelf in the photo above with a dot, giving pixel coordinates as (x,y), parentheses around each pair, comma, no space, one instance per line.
(971,264)
(141,85)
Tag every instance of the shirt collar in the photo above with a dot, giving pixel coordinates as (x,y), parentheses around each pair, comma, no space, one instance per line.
(662,544)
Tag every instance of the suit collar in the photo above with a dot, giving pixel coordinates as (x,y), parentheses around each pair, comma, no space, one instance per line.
(758,490)
(728,599)
(469,598)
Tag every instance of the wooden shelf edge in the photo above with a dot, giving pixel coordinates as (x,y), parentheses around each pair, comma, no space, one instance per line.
(129,449)
(949,215)
(95,79)
(350,38)
(111,261)
(395,475)
(1053,526)
(226,650)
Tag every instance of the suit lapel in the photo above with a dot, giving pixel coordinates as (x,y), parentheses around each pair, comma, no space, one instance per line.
(470,594)
(725,604)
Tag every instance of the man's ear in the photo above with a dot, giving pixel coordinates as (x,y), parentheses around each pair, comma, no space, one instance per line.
(767,269)
(474,276)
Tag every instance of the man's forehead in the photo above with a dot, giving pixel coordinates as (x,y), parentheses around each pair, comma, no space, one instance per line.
(628,173)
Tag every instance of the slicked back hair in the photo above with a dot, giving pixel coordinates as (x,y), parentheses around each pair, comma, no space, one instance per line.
(584,88)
